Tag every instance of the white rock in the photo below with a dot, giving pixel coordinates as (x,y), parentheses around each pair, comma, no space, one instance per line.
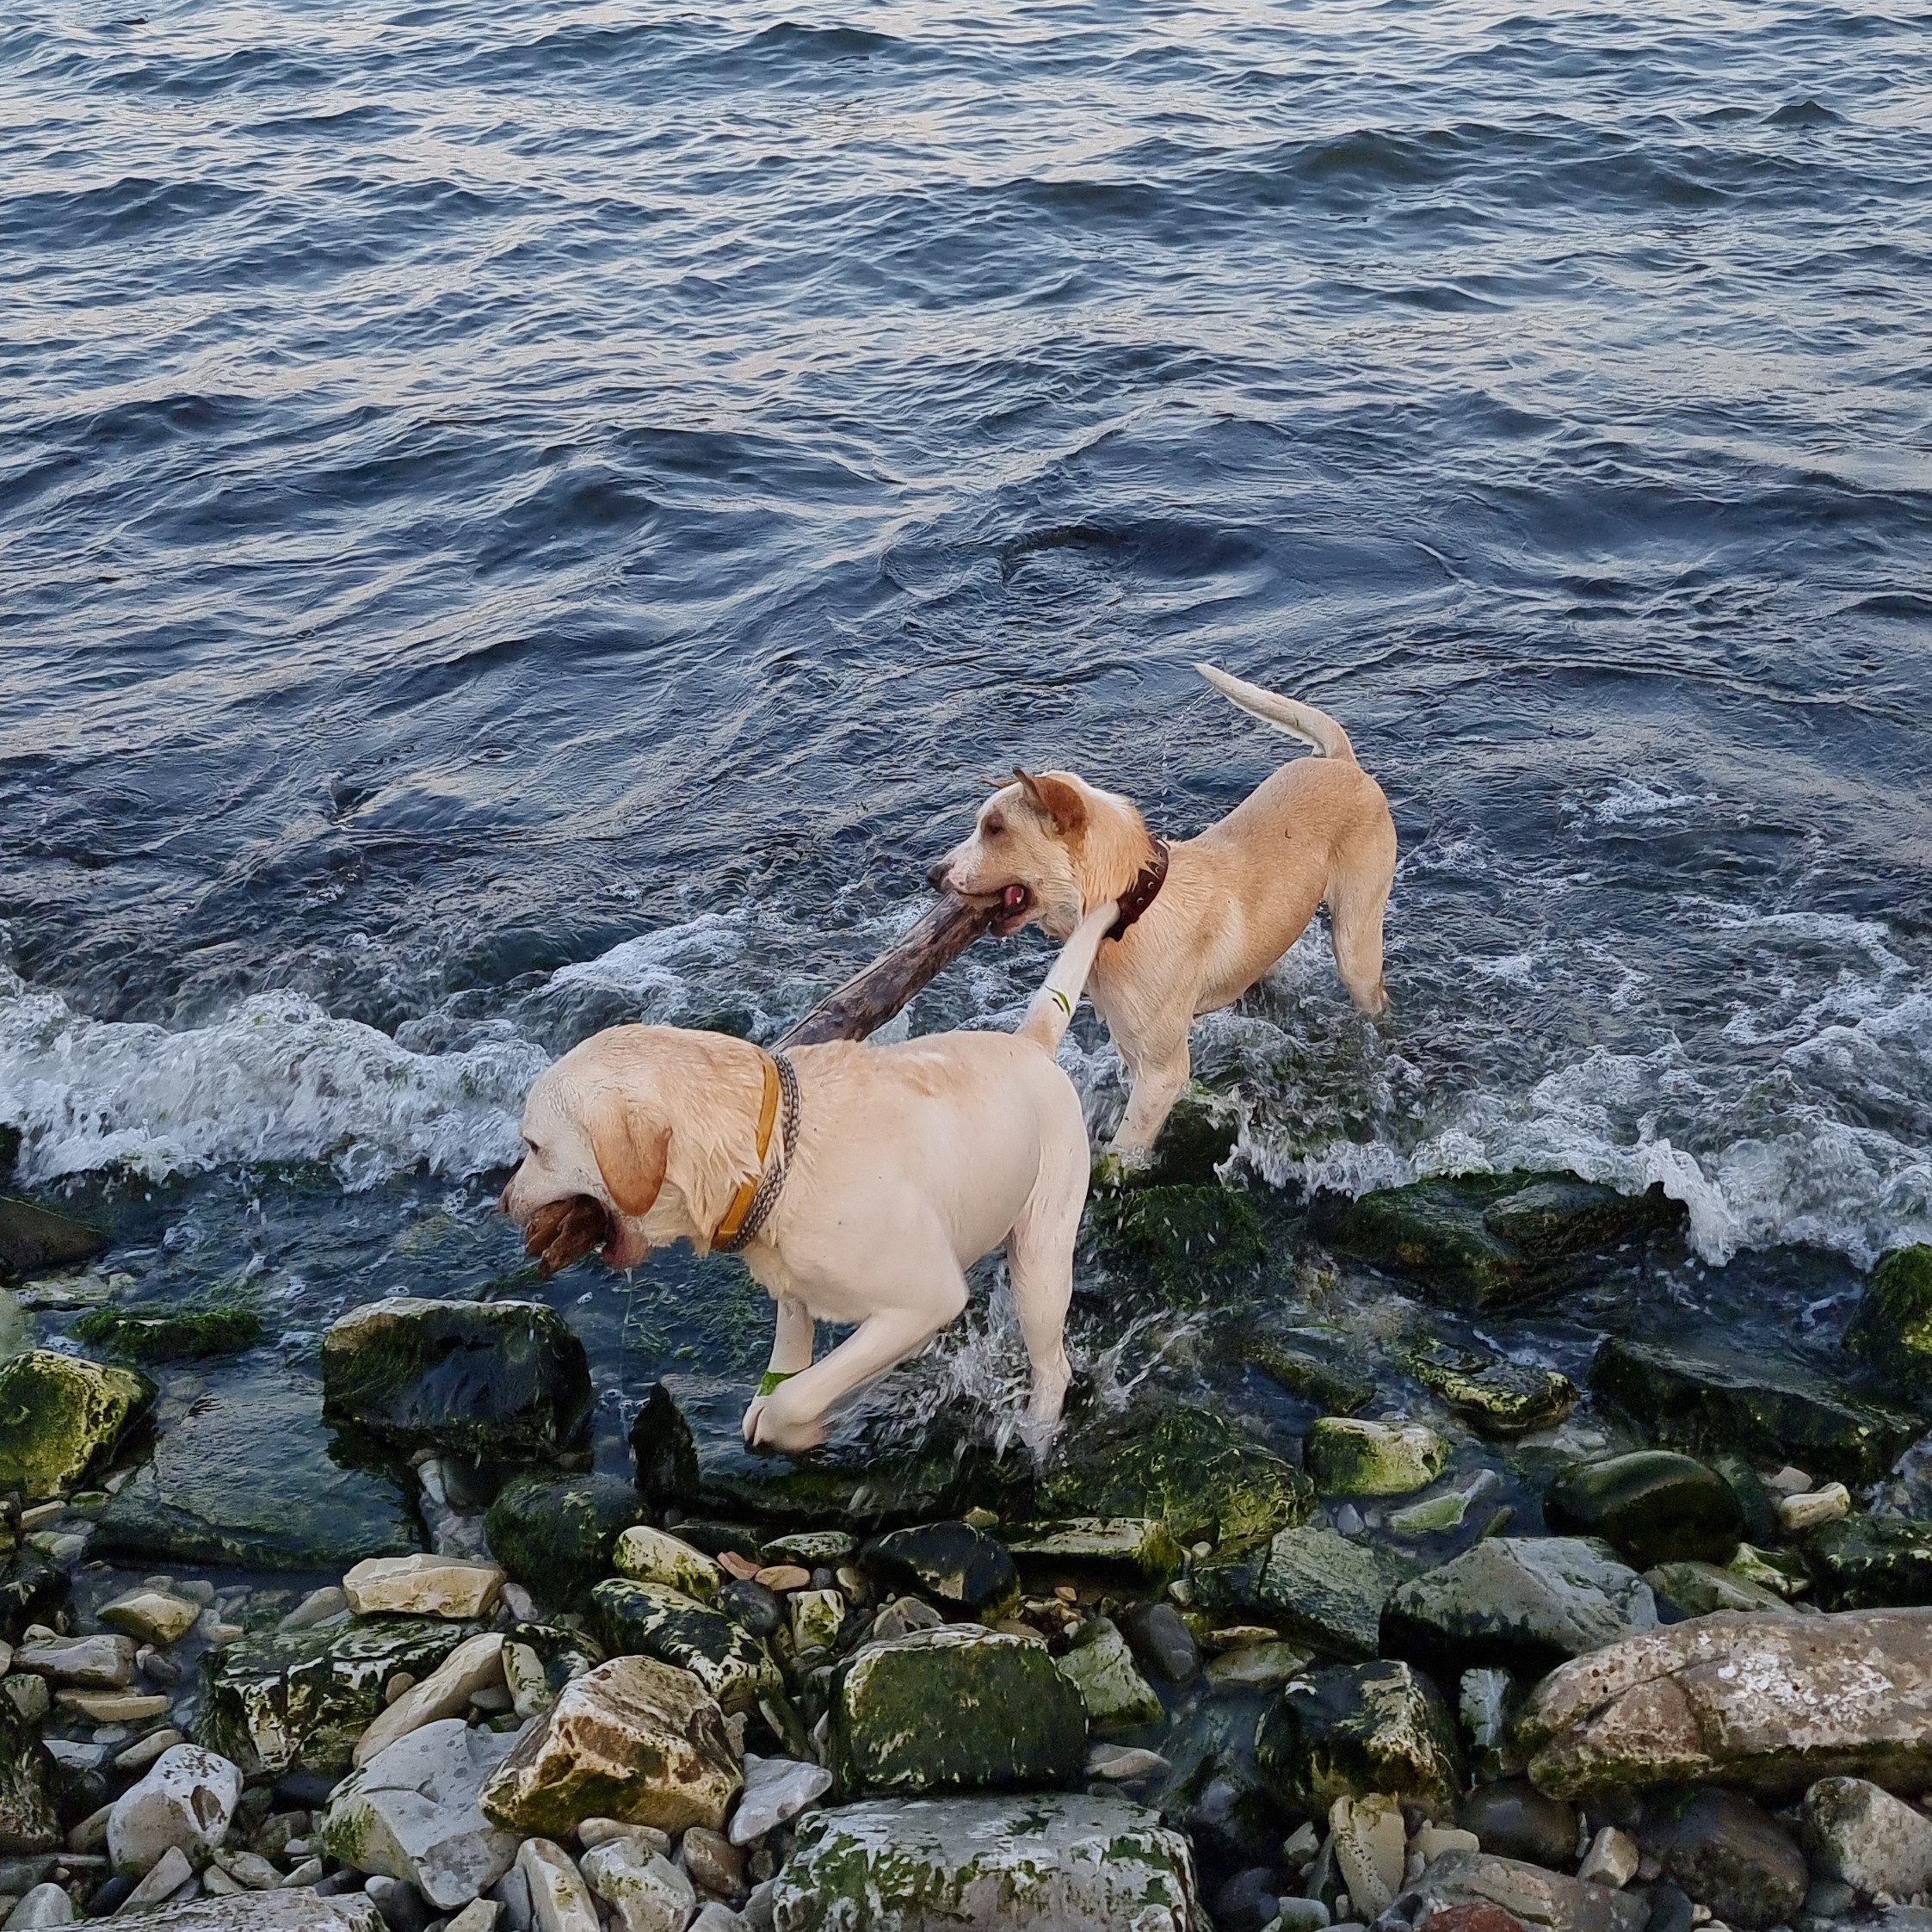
(776,1788)
(559,1900)
(654,1556)
(475,1664)
(318,1607)
(89,1663)
(717,1918)
(153,1616)
(1800,1513)
(423,1586)
(307,1873)
(645,1891)
(1370,1845)
(1861,1834)
(480,1915)
(530,1694)
(1438,1841)
(411,1813)
(247,1868)
(1613,1858)
(1124,1763)
(45,1904)
(168,1874)
(269,1912)
(184,1802)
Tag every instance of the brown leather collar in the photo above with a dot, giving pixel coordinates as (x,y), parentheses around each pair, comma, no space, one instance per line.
(1144,889)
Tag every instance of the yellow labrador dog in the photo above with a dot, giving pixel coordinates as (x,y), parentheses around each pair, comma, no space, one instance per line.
(1201,921)
(859,1182)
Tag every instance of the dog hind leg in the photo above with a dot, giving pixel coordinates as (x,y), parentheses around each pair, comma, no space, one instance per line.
(1158,1080)
(1039,1266)
(1356,909)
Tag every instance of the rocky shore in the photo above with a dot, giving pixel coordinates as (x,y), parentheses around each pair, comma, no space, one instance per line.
(1426,1634)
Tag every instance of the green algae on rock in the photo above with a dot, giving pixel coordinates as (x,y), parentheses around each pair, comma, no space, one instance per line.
(1487,1241)
(188,1333)
(507,1382)
(558,1535)
(31,1590)
(1695,1589)
(1348,1456)
(304,1697)
(28,1823)
(1871,1563)
(247,1477)
(1892,1328)
(958,1708)
(1499,1396)
(1312,1364)
(1141,1544)
(1187,1239)
(1037,1862)
(1353,1729)
(58,1415)
(33,1238)
(649,1619)
(1320,1586)
(1685,1401)
(1102,1669)
(1654,1506)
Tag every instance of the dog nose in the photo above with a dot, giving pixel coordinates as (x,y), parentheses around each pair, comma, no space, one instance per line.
(936,878)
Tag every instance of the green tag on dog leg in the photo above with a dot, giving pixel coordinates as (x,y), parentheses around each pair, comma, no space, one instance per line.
(772,1377)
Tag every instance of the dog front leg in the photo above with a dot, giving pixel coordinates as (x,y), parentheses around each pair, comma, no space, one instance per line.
(791,1354)
(1159,1080)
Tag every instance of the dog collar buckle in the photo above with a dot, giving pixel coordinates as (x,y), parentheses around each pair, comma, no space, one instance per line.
(1144,889)
(753,1203)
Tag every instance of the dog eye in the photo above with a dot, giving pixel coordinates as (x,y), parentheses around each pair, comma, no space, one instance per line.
(995,827)
(536,1152)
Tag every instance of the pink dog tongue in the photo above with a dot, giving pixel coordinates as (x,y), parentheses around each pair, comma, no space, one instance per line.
(1014,898)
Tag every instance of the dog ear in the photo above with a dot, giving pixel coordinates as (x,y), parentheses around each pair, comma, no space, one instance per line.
(631,1151)
(1055,799)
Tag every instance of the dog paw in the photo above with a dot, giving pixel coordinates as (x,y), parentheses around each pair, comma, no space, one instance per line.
(750,1422)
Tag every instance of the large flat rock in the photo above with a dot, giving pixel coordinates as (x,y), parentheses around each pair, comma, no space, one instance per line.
(1765,1702)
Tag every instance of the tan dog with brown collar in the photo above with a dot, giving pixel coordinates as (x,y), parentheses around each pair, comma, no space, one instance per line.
(1203,920)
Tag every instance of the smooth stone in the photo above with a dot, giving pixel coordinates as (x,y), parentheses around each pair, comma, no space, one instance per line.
(166,1876)
(559,1899)
(1814,1509)
(150,1616)
(633,1739)
(1859,1833)
(649,1619)
(185,1800)
(1613,1858)
(1101,1667)
(1162,1642)
(1327,1590)
(1318,1364)
(402,1907)
(475,1664)
(1671,1909)
(113,1707)
(751,1607)
(1347,1456)
(1124,1763)
(1728,1854)
(423,1586)
(715,1918)
(1871,1563)
(1654,1506)
(89,1663)
(956,1709)
(1248,1902)
(1257,1667)
(480,1915)
(1037,1862)
(1370,1840)
(1494,1395)
(1139,1544)
(1523,1602)
(712,1863)
(497,1380)
(296,1909)
(655,1556)
(34,1238)
(411,1813)
(775,1789)
(1535,1897)
(318,1607)
(58,1413)
(1353,1729)
(951,1562)
(645,1891)
(558,1535)
(45,1904)
(1302,1915)
(1771,1704)
(814,1548)
(1513,1819)
(594,1831)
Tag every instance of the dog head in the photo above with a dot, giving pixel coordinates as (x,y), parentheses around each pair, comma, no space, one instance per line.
(644,1120)
(1040,847)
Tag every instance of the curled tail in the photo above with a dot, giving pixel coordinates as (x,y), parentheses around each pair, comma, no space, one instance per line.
(1051,1010)
(1316,729)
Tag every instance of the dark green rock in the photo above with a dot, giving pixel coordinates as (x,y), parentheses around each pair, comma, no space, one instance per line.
(1353,1729)
(689,1452)
(1728,1854)
(1485,1240)
(1320,1587)
(506,1381)
(1314,1365)
(1871,1563)
(958,1708)
(28,1822)
(9,1152)
(555,1534)
(1513,1819)
(280,1700)
(952,1563)
(1499,1396)
(648,1619)
(1194,1142)
(1684,1401)
(1654,1506)
(1183,1465)
(59,1416)
(31,1590)
(33,1238)
(1526,1604)
(1214,1785)
(1892,1327)
(247,1478)
(1188,1240)
(172,1333)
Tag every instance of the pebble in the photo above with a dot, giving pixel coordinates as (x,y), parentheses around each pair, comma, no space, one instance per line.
(45,1904)
(164,1877)
(741,1567)
(1124,1763)
(142,1753)
(480,1915)
(1302,1915)
(303,1875)
(1797,1513)
(1248,1901)
(782,1577)
(423,1586)
(559,1899)
(601,1831)
(90,1663)
(751,1607)
(775,1789)
(1612,1859)
(402,1907)
(318,1607)
(108,1708)
(1513,1819)
(1162,1642)
(712,1863)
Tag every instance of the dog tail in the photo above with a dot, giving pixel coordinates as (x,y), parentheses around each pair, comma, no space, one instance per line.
(1052,1011)
(1316,729)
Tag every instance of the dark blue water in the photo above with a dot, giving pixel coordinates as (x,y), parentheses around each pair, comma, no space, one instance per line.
(514,517)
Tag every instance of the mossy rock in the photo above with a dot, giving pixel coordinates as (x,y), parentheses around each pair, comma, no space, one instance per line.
(1316,1585)
(1102,1669)
(952,1563)
(247,1477)
(1350,1456)
(1182,1466)
(689,1448)
(1353,1729)
(28,1821)
(1871,1563)
(1696,1589)
(33,1238)
(649,1619)
(502,1381)
(1188,1240)
(1313,1365)
(31,1590)
(172,1333)
(58,1413)
(1193,1143)
(1683,1401)
(1486,1241)
(958,1708)
(1654,1506)
(1892,1328)
(283,1700)
(1499,1396)
(556,1535)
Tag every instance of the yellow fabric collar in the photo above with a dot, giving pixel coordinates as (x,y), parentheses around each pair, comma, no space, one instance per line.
(727,1230)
